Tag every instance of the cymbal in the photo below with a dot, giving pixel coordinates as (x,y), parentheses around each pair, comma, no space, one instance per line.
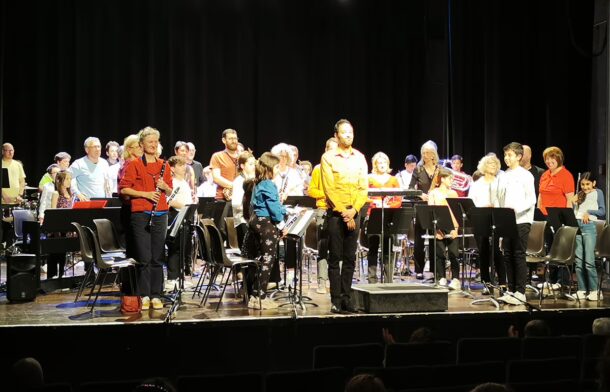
(30,188)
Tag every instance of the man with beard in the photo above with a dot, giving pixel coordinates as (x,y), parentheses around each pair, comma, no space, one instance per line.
(224,165)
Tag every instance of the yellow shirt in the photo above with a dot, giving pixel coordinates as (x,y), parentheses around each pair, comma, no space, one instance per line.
(15,175)
(315,189)
(344,179)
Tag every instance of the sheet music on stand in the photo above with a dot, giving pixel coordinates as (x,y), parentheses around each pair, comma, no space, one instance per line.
(182,214)
(299,226)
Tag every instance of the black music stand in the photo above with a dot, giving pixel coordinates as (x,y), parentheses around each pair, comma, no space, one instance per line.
(460,207)
(181,226)
(393,222)
(301,201)
(5,179)
(432,219)
(558,216)
(296,233)
(493,222)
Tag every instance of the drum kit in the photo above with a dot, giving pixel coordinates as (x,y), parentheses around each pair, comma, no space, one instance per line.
(29,203)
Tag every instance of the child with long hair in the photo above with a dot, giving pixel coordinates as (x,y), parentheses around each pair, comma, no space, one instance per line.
(438,197)
(585,202)
(62,197)
(267,212)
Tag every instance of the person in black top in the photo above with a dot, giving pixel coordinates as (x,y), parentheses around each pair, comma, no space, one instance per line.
(421,180)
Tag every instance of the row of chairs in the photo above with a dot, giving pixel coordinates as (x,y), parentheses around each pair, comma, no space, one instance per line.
(562,252)
(558,374)
(218,262)
(102,253)
(467,350)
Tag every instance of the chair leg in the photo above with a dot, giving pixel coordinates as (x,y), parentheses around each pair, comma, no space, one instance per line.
(102,273)
(97,276)
(82,285)
(213,274)
(231,273)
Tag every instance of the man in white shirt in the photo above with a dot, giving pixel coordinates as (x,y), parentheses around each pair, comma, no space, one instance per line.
(90,174)
(516,191)
(404,176)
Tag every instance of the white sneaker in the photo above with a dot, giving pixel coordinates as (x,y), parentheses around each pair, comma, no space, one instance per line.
(268,303)
(253,303)
(554,286)
(455,284)
(321,289)
(580,295)
(521,297)
(442,282)
(594,297)
(171,285)
(512,298)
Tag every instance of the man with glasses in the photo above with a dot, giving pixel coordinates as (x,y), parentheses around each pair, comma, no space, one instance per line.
(224,165)
(90,174)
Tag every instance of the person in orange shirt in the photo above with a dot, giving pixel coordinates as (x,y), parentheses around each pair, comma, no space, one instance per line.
(316,191)
(556,190)
(345,183)
(380,177)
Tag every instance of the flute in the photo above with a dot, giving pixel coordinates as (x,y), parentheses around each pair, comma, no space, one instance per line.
(156,204)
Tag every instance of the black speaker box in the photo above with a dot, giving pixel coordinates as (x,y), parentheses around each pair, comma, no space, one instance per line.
(22,277)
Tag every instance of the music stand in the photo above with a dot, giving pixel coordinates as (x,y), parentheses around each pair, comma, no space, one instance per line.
(558,217)
(491,222)
(181,225)
(393,222)
(460,207)
(433,218)
(5,179)
(301,201)
(296,233)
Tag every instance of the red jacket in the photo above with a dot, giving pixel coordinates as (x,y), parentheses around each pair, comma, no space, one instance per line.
(141,177)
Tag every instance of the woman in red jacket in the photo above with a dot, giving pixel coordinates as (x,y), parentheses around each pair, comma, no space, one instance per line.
(147,181)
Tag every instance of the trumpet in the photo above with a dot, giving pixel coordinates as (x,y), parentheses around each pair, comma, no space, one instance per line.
(156,204)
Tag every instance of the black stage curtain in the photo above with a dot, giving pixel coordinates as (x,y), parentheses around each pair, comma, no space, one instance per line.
(287,70)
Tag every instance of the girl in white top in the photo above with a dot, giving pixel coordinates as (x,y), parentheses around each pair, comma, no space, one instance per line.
(183,197)
(586,273)
(246,166)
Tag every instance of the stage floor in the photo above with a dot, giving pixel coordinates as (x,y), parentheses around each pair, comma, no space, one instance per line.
(59,309)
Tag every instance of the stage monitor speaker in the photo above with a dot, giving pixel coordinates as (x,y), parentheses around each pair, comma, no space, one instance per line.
(22,277)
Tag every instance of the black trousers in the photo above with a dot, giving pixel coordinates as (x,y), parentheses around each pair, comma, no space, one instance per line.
(342,245)
(149,252)
(452,252)
(514,258)
(485,254)
(419,251)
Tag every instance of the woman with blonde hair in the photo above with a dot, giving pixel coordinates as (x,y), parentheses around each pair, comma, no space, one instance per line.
(484,193)
(422,179)
(380,177)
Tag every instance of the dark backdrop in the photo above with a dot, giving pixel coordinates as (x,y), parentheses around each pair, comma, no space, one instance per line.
(472,75)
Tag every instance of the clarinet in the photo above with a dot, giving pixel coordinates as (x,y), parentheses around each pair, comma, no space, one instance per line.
(155,204)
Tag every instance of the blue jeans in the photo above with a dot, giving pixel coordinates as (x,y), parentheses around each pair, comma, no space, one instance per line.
(586,273)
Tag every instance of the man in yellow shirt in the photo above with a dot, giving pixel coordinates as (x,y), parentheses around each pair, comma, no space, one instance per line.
(16,186)
(316,191)
(345,183)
